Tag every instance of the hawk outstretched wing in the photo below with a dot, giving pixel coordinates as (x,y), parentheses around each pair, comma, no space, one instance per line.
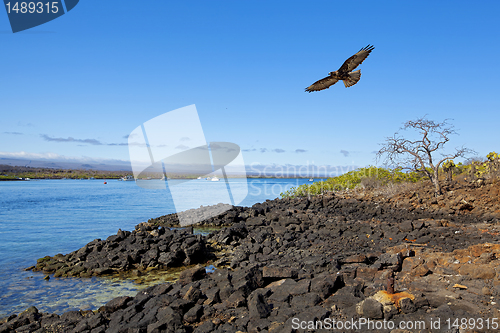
(322,84)
(356,59)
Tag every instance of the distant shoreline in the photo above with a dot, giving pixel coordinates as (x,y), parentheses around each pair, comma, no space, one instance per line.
(8,172)
(175,178)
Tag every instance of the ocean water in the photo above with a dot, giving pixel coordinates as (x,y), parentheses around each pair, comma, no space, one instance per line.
(46,217)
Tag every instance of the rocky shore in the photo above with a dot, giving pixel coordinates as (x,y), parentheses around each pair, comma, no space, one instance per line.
(144,249)
(388,257)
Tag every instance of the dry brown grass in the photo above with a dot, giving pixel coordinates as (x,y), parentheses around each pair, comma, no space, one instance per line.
(391,190)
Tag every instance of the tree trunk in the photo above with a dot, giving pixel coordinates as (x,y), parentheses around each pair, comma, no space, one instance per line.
(472,172)
(435,181)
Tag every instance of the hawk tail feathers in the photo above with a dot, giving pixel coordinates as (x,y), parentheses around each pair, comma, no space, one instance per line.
(353,78)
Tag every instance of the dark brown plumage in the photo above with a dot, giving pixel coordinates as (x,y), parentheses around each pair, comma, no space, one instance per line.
(344,73)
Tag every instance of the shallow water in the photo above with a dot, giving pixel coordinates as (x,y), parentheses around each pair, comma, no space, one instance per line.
(46,217)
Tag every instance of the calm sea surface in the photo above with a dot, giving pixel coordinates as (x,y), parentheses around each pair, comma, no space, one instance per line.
(46,217)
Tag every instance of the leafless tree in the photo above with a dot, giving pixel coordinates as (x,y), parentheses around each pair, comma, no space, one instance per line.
(419,154)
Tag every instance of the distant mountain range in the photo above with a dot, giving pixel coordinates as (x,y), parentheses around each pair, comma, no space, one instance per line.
(255,170)
(118,166)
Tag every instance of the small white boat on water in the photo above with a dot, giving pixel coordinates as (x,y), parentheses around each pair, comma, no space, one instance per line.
(215,179)
(128,178)
(311,180)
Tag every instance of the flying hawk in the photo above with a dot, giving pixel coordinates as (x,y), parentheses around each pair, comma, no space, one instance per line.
(344,73)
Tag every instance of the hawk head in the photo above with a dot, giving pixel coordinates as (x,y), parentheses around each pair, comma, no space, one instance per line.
(334,73)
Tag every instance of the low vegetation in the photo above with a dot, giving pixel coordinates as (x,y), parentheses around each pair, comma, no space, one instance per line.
(375,177)
(370,177)
(8,172)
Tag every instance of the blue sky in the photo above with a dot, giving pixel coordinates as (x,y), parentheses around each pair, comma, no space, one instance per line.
(74,87)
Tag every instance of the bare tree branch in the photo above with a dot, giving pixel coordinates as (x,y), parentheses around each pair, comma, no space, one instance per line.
(418,155)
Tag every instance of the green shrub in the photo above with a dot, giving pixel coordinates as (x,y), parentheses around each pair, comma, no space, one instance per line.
(369,177)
